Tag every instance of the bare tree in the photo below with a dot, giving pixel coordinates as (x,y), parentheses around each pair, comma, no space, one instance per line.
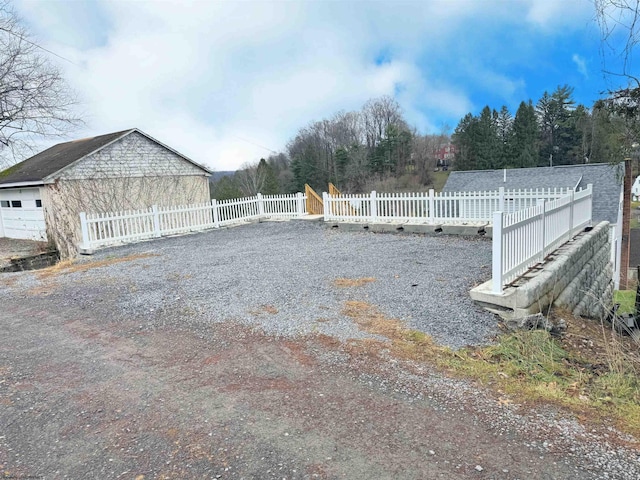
(251,178)
(619,22)
(378,115)
(35,100)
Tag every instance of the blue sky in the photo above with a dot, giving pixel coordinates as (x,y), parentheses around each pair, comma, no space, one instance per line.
(225,82)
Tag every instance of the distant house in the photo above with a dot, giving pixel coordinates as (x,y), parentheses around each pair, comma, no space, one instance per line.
(41,198)
(607,181)
(445,154)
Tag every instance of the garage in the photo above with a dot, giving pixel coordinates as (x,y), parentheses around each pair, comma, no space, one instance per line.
(21,214)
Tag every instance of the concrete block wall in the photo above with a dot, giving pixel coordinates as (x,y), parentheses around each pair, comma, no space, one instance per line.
(588,275)
(578,276)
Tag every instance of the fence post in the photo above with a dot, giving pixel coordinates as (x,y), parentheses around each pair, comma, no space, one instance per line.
(214,209)
(85,230)
(374,207)
(260,204)
(496,254)
(300,204)
(543,202)
(590,187)
(326,208)
(571,226)
(432,206)
(501,199)
(156,221)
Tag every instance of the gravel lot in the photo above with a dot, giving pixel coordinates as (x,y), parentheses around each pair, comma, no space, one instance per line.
(279,275)
(202,357)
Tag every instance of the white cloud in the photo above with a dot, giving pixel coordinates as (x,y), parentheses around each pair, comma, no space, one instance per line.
(581,64)
(203,76)
(553,14)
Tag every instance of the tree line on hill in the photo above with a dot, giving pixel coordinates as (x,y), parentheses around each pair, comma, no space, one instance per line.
(373,148)
(554,131)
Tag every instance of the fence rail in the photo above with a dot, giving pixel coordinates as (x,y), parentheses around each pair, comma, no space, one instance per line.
(104,229)
(525,238)
(433,208)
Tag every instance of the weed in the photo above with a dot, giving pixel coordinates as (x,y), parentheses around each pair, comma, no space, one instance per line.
(71,266)
(352,282)
(270,309)
(591,371)
(626,299)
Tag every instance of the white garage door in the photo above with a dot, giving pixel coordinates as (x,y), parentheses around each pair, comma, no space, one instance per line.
(21,214)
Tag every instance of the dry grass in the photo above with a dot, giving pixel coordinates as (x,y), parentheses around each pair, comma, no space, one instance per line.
(70,266)
(352,282)
(268,309)
(403,342)
(8,282)
(591,371)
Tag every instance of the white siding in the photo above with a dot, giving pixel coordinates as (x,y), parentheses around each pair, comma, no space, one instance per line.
(132,156)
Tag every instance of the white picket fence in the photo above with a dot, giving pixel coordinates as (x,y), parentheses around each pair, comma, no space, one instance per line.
(524,238)
(104,229)
(527,224)
(432,208)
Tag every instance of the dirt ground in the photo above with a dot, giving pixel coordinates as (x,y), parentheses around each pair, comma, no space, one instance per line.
(82,397)
(87,391)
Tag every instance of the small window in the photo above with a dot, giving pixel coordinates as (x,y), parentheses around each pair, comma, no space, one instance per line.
(16,203)
(4,203)
(39,203)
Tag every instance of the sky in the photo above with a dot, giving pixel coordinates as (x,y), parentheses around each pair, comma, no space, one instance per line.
(229,82)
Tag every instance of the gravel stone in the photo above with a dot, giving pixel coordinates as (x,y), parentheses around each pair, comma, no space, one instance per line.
(278,276)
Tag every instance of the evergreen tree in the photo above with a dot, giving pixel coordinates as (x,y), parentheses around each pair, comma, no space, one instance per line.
(556,127)
(486,141)
(225,188)
(504,125)
(465,158)
(269,180)
(522,143)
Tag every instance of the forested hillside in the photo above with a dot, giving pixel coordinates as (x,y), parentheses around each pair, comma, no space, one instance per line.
(375,148)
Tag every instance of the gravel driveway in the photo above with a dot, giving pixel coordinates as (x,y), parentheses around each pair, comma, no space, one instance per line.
(227,355)
(280,276)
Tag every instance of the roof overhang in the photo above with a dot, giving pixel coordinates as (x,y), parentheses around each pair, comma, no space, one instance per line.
(35,183)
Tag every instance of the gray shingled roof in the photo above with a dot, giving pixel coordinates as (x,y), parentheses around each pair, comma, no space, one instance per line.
(40,166)
(51,160)
(606,180)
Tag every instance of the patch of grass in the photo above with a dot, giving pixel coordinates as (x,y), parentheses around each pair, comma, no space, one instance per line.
(270,309)
(626,299)
(439,179)
(70,266)
(352,282)
(529,366)
(405,343)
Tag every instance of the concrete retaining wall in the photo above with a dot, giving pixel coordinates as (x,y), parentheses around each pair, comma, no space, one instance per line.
(578,276)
